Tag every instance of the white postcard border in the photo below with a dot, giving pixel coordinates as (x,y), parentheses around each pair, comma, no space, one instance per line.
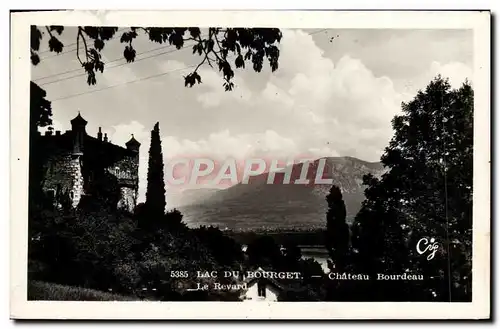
(21,308)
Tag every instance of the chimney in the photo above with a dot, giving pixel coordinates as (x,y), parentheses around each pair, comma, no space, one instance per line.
(105,137)
(58,133)
(99,134)
(48,133)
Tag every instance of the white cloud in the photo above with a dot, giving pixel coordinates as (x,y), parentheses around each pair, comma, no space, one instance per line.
(122,132)
(328,104)
(217,146)
(317,103)
(215,95)
(56,126)
(221,145)
(456,72)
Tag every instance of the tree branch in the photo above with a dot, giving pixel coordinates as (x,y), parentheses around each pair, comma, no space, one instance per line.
(220,48)
(80,32)
(224,59)
(48,30)
(203,61)
(78,47)
(205,48)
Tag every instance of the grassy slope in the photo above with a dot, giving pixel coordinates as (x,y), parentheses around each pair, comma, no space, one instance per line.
(51,291)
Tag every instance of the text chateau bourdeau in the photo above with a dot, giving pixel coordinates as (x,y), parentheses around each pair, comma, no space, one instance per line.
(298,275)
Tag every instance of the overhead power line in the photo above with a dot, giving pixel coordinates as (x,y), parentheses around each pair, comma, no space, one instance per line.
(124,83)
(140,79)
(108,62)
(72,44)
(118,65)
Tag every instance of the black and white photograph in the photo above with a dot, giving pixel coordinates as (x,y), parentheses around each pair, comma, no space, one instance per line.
(253,164)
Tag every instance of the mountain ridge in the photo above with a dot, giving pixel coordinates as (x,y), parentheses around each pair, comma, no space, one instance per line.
(259,204)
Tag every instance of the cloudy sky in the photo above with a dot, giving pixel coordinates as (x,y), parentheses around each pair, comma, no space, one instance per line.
(334,93)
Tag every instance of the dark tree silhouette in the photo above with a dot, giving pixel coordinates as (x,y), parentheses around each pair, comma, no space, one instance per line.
(264,252)
(40,116)
(225,250)
(155,193)
(173,220)
(40,108)
(426,193)
(292,253)
(222,48)
(337,230)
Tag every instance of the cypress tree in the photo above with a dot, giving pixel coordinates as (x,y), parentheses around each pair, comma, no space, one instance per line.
(155,193)
(337,230)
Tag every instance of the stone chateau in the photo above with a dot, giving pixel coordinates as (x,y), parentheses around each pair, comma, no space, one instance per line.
(76,164)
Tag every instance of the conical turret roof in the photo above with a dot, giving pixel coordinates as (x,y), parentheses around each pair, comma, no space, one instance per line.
(132,142)
(79,120)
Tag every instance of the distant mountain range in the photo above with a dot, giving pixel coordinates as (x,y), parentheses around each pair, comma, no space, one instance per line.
(258,205)
(181,198)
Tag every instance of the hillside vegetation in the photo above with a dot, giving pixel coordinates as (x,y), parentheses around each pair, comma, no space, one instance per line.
(38,290)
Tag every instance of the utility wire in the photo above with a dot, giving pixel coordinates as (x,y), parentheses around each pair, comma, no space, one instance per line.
(120,58)
(145,78)
(108,62)
(124,83)
(71,44)
(118,65)
(122,29)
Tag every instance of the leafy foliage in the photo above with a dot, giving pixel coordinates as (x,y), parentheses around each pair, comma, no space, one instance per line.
(222,48)
(40,108)
(40,116)
(225,250)
(292,254)
(426,193)
(264,252)
(106,250)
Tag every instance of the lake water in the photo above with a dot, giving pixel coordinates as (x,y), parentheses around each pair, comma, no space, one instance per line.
(319,254)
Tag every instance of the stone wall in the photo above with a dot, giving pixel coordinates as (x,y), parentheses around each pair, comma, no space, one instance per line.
(128,200)
(63,174)
(127,172)
(77,180)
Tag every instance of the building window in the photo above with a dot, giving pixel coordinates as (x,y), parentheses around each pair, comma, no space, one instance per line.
(51,194)
(261,288)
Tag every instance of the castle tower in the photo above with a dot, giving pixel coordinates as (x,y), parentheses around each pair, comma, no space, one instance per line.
(78,125)
(130,187)
(133,145)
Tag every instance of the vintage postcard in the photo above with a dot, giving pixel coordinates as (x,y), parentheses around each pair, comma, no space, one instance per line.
(250,165)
